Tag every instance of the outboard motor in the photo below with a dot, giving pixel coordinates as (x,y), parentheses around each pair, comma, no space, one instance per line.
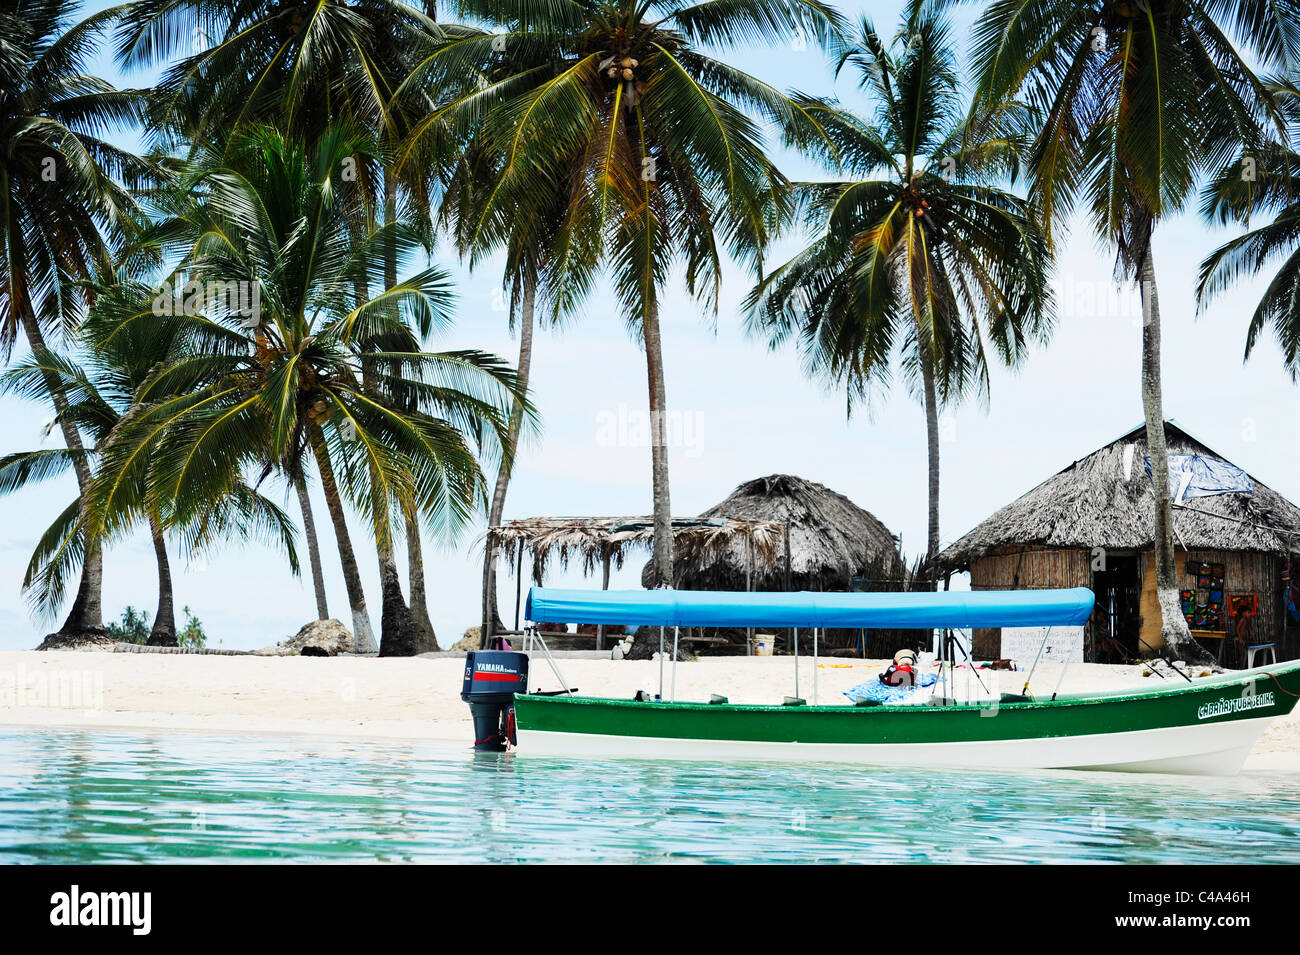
(492,678)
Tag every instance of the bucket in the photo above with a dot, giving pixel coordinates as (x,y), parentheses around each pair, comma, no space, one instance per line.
(764,644)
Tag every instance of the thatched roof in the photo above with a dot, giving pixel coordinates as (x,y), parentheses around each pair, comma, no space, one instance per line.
(831,541)
(592,540)
(1106,500)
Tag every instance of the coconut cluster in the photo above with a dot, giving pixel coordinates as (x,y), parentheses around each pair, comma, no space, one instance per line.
(624,67)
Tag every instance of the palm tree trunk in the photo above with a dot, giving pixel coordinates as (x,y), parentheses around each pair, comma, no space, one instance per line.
(663,510)
(401,631)
(163,633)
(932,450)
(313,548)
(362,633)
(401,635)
(1173,625)
(932,457)
(415,558)
(87,613)
(491,611)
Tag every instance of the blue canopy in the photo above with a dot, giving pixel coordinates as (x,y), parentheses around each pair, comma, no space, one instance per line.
(711,608)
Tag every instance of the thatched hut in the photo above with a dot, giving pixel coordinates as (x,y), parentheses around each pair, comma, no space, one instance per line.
(1237,547)
(833,543)
(828,543)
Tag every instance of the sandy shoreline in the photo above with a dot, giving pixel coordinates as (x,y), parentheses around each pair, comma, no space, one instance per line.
(419,698)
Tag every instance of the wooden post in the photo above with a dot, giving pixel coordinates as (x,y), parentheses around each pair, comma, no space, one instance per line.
(519,582)
(788,584)
(604,585)
(788,572)
(749,587)
(485,629)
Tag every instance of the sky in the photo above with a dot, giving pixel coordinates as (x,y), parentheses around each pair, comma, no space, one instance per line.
(740,411)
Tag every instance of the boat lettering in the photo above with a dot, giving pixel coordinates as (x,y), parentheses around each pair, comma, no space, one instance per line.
(1235,704)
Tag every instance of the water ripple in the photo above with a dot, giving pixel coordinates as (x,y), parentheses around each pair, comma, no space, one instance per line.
(69,795)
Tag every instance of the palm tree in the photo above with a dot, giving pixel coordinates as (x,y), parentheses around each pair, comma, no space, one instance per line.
(387,427)
(313,547)
(523,303)
(921,250)
(96,396)
(1138,101)
(609,110)
(468,182)
(60,206)
(1275,192)
(307,68)
(306,71)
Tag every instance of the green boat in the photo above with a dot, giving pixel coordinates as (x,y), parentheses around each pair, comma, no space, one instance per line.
(1203,725)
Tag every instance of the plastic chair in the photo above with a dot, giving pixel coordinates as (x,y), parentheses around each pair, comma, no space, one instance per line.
(1261,649)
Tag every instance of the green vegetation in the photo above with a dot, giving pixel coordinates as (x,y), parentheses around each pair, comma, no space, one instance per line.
(134,628)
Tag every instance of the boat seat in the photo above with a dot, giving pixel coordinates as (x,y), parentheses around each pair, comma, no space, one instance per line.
(1261,649)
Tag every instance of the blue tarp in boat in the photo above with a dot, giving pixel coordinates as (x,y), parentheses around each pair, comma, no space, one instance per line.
(873,689)
(709,608)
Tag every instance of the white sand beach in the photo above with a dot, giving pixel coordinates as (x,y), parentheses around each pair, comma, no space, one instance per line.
(419,697)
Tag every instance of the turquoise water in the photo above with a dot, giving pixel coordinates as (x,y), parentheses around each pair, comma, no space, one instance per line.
(108,796)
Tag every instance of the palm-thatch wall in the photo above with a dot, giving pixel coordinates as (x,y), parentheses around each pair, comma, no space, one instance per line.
(1101,508)
(601,542)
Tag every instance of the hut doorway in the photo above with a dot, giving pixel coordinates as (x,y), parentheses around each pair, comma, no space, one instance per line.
(1117,618)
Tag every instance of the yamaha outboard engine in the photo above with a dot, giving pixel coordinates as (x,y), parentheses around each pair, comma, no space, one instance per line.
(492,678)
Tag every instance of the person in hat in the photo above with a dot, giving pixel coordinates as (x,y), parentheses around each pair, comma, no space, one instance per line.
(902,672)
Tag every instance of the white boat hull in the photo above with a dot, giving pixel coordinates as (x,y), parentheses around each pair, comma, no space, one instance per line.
(1216,749)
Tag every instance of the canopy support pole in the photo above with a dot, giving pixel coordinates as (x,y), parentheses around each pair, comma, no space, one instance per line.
(1061,680)
(950,654)
(660,695)
(551,660)
(1037,656)
(675,632)
(796,662)
(814,666)
(970,662)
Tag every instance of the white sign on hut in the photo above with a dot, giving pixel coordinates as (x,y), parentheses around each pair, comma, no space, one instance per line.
(1064,644)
